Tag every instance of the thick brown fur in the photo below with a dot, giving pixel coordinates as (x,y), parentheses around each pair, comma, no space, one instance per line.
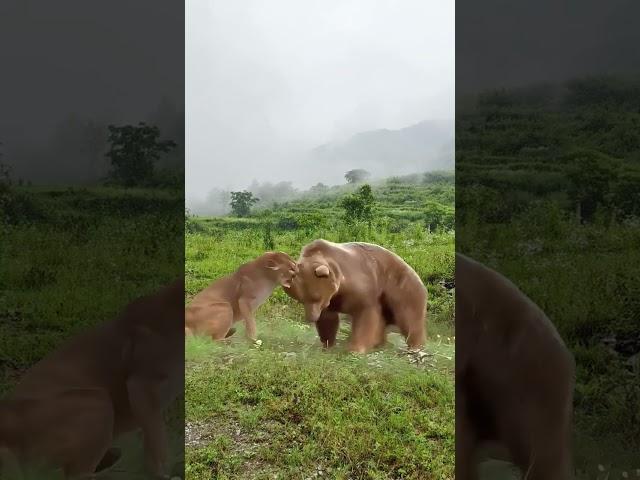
(213,311)
(514,378)
(118,377)
(372,285)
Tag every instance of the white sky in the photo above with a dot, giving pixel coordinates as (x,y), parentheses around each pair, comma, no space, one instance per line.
(268,80)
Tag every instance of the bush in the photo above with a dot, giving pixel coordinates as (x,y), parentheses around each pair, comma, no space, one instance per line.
(358,207)
(19,208)
(267,238)
(398,225)
(438,216)
(287,223)
(241,203)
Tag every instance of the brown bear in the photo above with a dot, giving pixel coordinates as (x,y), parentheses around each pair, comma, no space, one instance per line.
(372,285)
(514,378)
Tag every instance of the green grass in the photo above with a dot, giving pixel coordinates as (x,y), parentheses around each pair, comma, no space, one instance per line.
(288,409)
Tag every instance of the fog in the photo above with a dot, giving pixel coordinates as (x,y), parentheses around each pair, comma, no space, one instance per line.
(509,43)
(269,82)
(71,67)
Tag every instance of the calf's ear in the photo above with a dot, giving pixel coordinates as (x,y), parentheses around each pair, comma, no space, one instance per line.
(322,271)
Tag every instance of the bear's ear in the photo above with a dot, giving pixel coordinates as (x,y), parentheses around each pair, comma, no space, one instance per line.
(272,265)
(322,271)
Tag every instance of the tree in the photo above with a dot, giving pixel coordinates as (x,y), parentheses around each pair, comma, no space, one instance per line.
(270,193)
(356,176)
(359,206)
(5,179)
(319,188)
(438,216)
(241,203)
(5,188)
(591,174)
(626,192)
(133,152)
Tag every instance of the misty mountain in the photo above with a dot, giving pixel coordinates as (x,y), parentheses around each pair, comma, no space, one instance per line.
(425,146)
(428,145)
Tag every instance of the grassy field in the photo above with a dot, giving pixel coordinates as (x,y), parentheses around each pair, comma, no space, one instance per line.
(290,410)
(71,258)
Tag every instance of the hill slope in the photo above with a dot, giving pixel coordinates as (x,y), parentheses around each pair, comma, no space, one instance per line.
(425,145)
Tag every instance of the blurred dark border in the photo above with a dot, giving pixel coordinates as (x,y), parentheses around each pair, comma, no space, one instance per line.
(80,239)
(548,191)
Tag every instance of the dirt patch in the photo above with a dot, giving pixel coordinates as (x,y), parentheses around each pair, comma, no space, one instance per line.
(244,442)
(197,434)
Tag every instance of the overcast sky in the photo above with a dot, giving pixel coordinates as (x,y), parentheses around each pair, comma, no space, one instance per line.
(267,81)
(505,43)
(98,61)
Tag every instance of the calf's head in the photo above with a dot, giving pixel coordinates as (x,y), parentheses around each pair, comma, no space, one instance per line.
(315,285)
(282,267)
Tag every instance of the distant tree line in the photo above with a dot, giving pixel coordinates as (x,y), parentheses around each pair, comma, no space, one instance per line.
(267,195)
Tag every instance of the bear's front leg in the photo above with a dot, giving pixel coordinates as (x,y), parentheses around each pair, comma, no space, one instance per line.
(366,330)
(327,327)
